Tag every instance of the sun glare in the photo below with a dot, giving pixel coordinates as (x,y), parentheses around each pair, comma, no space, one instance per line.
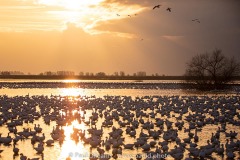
(83,13)
(69,146)
(71,4)
(71,92)
(50,15)
(71,81)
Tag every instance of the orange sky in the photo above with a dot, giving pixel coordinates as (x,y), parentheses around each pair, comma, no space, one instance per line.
(114,35)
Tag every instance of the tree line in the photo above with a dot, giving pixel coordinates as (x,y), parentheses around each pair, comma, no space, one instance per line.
(81,74)
(206,71)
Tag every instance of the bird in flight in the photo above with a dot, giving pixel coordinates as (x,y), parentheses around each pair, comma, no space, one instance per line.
(196,20)
(157,6)
(118,15)
(169,9)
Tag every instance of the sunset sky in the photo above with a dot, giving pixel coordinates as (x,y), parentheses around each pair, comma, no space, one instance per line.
(114,35)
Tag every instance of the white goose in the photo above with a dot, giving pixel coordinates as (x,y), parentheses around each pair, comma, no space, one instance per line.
(128,146)
(15,150)
(146,147)
(40,148)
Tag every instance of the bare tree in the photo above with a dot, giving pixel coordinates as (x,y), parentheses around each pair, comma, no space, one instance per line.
(212,70)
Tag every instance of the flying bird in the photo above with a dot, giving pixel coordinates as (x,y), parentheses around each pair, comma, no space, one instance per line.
(118,15)
(169,9)
(157,6)
(196,20)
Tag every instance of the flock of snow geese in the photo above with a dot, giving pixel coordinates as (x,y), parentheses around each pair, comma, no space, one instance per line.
(172,125)
(167,9)
(158,6)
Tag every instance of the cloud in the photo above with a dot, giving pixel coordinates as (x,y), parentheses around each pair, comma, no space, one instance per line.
(144,3)
(21,15)
(94,39)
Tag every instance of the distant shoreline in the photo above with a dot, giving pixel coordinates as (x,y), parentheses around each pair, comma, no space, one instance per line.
(58,77)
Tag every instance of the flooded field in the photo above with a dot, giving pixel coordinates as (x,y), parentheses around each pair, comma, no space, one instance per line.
(58,123)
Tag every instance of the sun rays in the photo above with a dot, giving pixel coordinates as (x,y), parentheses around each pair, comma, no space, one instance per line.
(56,14)
(71,4)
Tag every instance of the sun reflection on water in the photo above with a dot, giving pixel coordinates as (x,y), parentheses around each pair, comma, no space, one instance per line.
(73,147)
(71,80)
(71,92)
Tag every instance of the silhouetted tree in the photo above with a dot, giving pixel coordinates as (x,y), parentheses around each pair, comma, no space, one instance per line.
(5,73)
(100,74)
(212,70)
(122,73)
(81,73)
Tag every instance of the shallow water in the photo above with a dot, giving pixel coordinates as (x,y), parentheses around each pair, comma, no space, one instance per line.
(70,147)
